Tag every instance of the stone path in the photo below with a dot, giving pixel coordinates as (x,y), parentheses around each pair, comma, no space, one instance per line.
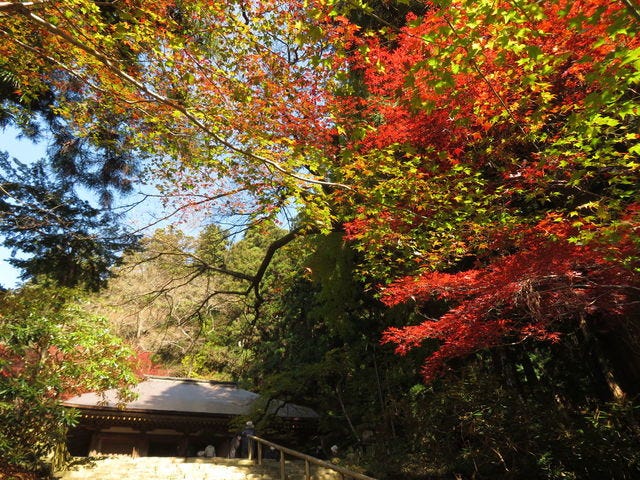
(166,468)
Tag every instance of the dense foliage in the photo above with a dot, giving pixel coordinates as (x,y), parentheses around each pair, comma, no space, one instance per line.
(229,98)
(50,347)
(494,147)
(465,174)
(493,150)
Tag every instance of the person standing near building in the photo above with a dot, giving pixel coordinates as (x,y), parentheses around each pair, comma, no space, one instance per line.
(335,457)
(210,451)
(247,445)
(234,447)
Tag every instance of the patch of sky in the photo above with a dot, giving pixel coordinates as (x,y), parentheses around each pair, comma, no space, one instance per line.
(25,151)
(143,210)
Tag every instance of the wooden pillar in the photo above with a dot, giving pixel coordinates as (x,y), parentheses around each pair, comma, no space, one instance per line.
(142,444)
(282,464)
(94,445)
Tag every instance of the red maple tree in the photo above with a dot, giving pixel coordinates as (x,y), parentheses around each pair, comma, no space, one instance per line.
(494,153)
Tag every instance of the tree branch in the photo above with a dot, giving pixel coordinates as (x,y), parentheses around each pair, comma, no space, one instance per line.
(161,99)
(266,260)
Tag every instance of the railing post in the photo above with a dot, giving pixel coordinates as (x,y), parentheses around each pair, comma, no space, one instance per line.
(308,460)
(282,473)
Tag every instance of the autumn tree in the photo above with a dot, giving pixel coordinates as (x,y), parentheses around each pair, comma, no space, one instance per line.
(494,152)
(492,149)
(211,90)
(229,100)
(480,156)
(535,105)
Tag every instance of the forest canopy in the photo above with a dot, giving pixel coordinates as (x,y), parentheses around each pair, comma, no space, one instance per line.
(463,177)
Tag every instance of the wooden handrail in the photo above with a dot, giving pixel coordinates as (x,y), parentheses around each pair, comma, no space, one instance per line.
(308,459)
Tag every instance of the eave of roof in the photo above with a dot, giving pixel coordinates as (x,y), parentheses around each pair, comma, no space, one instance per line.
(188,396)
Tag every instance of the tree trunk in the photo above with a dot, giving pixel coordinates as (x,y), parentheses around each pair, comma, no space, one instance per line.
(605,383)
(621,353)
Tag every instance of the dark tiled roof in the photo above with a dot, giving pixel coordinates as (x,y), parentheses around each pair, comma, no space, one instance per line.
(181,395)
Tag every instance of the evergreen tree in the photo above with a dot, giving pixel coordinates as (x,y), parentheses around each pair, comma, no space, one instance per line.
(61,235)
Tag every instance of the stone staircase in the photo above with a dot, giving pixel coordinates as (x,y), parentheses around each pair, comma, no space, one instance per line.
(168,468)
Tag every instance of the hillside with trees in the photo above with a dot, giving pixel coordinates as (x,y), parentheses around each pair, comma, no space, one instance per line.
(421,218)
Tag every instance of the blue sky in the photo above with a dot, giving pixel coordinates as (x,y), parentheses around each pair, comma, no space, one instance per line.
(25,151)
(140,217)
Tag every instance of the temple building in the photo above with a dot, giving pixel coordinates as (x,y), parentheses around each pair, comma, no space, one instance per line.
(170,417)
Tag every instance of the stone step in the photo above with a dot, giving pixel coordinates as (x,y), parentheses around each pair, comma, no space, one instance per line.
(169,468)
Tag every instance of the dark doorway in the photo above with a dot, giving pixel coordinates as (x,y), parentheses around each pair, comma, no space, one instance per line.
(164,446)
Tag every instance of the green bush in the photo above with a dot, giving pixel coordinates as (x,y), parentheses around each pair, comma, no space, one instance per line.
(50,347)
(475,425)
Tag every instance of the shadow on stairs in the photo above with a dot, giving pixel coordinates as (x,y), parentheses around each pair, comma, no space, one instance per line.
(172,468)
